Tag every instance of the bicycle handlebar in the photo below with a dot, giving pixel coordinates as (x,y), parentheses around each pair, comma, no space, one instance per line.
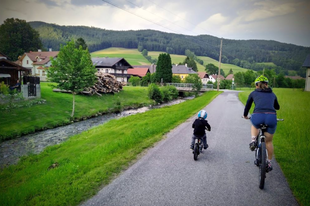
(278,120)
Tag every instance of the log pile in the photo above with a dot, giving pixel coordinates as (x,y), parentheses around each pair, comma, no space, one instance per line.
(106,83)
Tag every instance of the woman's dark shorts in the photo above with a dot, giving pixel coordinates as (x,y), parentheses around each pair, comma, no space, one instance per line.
(263,118)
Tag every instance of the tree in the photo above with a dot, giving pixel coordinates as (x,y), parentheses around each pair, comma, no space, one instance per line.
(239,79)
(135,81)
(72,70)
(249,77)
(18,37)
(212,69)
(80,42)
(190,63)
(195,80)
(222,72)
(144,52)
(176,79)
(164,68)
(146,79)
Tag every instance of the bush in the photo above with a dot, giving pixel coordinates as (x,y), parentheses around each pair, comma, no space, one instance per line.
(155,93)
(173,92)
(166,94)
(135,81)
(4,89)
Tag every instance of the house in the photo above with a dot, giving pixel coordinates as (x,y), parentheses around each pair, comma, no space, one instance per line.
(230,77)
(182,71)
(115,66)
(138,71)
(10,72)
(214,76)
(205,78)
(307,65)
(38,62)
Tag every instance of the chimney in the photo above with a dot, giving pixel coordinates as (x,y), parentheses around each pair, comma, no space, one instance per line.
(50,49)
(39,50)
(186,65)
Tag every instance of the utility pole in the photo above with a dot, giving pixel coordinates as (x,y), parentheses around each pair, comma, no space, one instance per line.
(219,72)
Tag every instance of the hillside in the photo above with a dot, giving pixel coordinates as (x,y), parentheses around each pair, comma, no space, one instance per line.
(243,53)
(134,57)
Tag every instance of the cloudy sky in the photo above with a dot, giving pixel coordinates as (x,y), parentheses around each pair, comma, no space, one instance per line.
(280,20)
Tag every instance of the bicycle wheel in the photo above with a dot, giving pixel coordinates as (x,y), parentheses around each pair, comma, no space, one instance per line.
(196,151)
(262,166)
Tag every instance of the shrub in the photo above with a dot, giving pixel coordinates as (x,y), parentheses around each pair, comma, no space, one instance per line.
(135,81)
(4,89)
(173,92)
(155,93)
(167,96)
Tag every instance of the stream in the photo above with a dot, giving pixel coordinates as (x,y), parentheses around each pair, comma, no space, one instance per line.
(12,150)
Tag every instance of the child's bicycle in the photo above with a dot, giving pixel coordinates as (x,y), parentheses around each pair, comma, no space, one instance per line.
(198,146)
(261,154)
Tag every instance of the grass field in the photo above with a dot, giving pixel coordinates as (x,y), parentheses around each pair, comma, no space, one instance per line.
(58,107)
(291,140)
(87,161)
(132,56)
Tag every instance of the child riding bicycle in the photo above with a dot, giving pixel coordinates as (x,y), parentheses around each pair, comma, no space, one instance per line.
(200,125)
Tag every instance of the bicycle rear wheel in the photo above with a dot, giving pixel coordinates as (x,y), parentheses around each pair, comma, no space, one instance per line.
(196,151)
(263,165)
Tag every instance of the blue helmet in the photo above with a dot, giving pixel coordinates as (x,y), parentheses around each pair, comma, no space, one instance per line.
(202,114)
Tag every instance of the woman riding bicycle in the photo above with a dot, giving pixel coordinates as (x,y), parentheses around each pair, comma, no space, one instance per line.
(266,104)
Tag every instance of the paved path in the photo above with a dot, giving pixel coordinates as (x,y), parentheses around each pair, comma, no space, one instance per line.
(223,175)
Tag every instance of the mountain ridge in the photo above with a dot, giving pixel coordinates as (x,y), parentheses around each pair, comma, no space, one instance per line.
(243,53)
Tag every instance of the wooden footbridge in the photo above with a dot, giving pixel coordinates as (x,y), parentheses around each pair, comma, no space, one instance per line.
(187,87)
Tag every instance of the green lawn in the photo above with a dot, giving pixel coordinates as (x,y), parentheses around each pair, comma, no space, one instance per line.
(58,107)
(225,67)
(291,140)
(132,56)
(90,160)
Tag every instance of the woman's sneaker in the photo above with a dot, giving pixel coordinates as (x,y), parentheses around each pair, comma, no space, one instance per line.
(252,145)
(268,167)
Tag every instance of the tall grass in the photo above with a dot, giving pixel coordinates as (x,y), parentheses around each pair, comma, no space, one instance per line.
(291,140)
(57,109)
(91,159)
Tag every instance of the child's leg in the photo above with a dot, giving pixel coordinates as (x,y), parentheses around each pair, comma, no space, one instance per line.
(193,142)
(204,141)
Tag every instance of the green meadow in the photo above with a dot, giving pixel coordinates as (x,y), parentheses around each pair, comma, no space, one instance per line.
(57,109)
(72,172)
(291,140)
(132,56)
(225,67)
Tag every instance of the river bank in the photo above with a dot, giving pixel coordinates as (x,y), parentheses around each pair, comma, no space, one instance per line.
(12,150)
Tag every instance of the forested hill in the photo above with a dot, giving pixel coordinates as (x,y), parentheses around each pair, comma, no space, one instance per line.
(244,53)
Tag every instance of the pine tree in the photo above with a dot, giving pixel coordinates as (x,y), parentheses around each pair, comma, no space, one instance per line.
(164,68)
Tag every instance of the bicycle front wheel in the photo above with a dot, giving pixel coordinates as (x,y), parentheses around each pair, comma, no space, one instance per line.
(263,165)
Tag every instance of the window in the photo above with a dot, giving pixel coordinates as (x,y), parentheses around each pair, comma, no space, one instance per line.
(27,61)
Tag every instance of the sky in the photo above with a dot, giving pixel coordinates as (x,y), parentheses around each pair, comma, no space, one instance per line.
(284,21)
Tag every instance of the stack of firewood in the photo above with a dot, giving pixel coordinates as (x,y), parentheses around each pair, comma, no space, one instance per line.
(106,83)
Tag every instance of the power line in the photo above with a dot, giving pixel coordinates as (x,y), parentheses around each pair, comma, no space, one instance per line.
(140,16)
(161,16)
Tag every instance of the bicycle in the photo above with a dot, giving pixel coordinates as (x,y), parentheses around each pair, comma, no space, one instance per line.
(261,154)
(198,146)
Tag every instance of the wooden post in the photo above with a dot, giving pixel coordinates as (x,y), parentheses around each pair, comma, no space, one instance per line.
(219,72)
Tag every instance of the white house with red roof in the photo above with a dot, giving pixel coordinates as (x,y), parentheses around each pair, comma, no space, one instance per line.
(38,62)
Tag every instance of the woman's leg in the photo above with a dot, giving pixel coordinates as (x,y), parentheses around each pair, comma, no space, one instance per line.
(269,145)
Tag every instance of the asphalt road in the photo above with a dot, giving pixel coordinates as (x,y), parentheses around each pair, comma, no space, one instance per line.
(223,175)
